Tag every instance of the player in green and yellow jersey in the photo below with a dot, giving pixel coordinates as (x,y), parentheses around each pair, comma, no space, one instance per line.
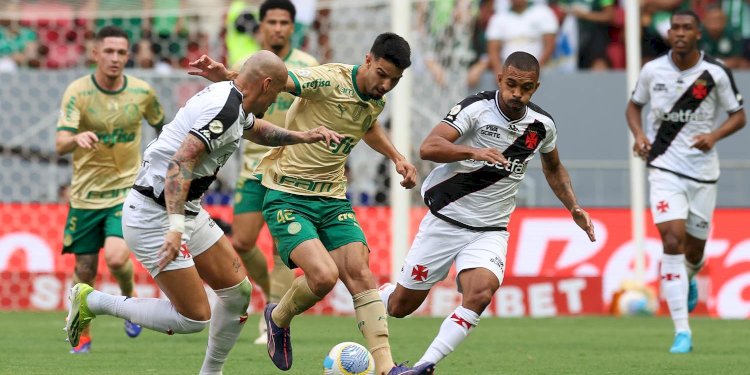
(312,222)
(276,29)
(100,123)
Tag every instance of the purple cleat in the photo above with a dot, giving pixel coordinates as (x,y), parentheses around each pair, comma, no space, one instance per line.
(279,341)
(426,368)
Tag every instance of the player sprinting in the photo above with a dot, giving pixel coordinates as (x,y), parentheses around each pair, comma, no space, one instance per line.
(172,235)
(685,89)
(312,222)
(100,123)
(485,143)
(276,28)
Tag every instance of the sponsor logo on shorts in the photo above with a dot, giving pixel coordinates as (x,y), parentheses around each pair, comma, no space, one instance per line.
(184,251)
(68,239)
(498,262)
(294,227)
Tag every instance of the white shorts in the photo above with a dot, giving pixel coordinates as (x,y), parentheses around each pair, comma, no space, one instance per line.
(677,198)
(144,224)
(438,244)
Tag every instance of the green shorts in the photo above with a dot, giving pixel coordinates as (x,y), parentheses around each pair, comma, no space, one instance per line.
(293,219)
(86,230)
(248,196)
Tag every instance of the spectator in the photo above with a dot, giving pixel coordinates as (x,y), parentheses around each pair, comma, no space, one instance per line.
(738,16)
(530,29)
(306,11)
(594,18)
(720,40)
(655,19)
(480,75)
(241,26)
(18,45)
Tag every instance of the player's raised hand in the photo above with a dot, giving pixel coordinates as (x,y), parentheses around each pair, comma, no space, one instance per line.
(641,147)
(408,171)
(490,155)
(704,142)
(86,140)
(581,217)
(321,133)
(212,70)
(170,249)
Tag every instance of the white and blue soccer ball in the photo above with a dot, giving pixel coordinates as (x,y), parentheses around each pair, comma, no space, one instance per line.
(349,358)
(635,302)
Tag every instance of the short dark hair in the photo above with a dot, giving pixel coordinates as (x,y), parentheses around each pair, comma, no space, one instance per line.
(277,4)
(393,48)
(686,12)
(111,31)
(522,61)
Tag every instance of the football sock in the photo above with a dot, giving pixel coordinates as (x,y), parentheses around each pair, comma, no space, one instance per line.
(152,313)
(86,331)
(674,286)
(257,268)
(228,317)
(281,279)
(124,277)
(693,269)
(452,332)
(372,321)
(297,300)
(385,294)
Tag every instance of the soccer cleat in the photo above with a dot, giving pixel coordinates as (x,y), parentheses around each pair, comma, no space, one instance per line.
(84,346)
(262,329)
(279,341)
(132,329)
(692,295)
(683,343)
(426,368)
(79,315)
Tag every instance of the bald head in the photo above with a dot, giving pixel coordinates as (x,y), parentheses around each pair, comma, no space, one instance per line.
(261,65)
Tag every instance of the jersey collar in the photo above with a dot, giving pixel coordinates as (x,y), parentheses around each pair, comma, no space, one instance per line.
(110,92)
(499,110)
(354,82)
(677,69)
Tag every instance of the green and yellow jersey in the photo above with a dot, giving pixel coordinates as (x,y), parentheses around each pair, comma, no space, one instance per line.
(276,113)
(327,95)
(102,175)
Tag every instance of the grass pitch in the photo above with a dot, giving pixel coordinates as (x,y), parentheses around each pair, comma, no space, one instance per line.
(33,343)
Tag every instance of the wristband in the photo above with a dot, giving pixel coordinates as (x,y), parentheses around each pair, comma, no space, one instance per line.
(177,223)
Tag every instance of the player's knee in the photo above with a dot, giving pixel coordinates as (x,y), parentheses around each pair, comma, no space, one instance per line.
(322,282)
(116,262)
(672,243)
(85,273)
(236,298)
(399,307)
(187,325)
(479,299)
(243,243)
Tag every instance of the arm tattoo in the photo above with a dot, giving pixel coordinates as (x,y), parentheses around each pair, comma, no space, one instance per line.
(180,174)
(271,135)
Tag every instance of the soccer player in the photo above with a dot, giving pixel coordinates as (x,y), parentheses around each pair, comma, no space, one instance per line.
(172,235)
(485,143)
(685,89)
(276,28)
(100,123)
(306,209)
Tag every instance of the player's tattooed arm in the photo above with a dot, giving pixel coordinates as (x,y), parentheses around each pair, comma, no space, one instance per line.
(559,181)
(268,134)
(180,174)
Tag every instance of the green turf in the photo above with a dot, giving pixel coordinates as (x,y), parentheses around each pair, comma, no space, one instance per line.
(33,343)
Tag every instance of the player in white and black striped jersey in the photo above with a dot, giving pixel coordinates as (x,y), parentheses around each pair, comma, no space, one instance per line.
(485,143)
(685,89)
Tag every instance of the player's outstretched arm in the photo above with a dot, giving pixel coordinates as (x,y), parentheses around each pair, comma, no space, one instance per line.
(733,123)
(642,146)
(212,70)
(377,139)
(67,141)
(559,180)
(176,186)
(268,134)
(439,147)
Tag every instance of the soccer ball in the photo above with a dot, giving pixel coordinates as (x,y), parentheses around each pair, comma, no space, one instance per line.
(633,302)
(349,358)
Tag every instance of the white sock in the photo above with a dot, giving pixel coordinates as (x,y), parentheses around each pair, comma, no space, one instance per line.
(228,317)
(385,292)
(674,286)
(693,269)
(152,313)
(452,332)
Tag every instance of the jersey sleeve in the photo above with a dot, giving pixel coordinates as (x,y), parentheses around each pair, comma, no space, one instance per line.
(550,141)
(70,112)
(312,83)
(459,117)
(154,113)
(214,119)
(641,94)
(729,97)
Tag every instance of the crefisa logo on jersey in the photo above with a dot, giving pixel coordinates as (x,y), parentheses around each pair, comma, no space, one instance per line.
(683,115)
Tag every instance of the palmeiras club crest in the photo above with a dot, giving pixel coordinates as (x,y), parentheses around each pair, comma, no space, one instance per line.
(700,90)
(532,140)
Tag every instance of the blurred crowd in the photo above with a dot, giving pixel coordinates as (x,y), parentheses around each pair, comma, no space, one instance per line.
(564,35)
